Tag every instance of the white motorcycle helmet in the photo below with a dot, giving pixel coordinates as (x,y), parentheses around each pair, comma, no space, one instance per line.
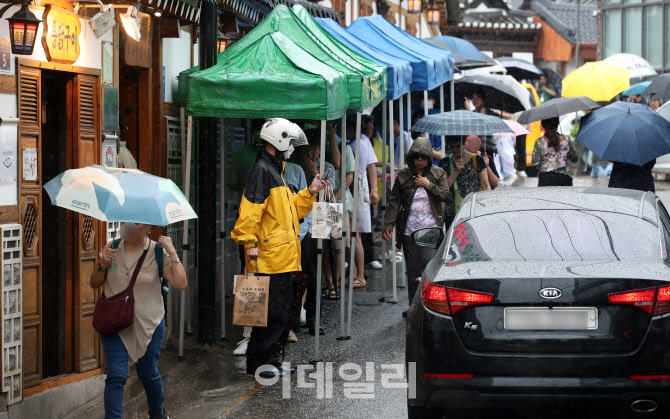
(281,132)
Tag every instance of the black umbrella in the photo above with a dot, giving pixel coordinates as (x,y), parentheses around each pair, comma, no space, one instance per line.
(460,61)
(659,88)
(556,107)
(520,69)
(497,95)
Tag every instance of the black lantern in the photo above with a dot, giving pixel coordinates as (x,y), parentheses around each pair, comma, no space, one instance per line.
(23,31)
(433,15)
(414,6)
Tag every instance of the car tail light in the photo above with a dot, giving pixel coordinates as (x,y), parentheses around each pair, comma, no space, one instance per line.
(460,299)
(655,301)
(435,297)
(650,377)
(662,301)
(448,300)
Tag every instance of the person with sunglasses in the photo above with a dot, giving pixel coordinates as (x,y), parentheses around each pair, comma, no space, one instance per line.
(415,202)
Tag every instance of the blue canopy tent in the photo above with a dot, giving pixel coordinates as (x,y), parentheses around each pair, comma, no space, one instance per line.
(399,70)
(431,68)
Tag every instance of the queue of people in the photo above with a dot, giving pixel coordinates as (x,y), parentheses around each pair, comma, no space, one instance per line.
(426,193)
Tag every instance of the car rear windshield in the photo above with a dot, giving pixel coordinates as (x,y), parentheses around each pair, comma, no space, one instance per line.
(563,235)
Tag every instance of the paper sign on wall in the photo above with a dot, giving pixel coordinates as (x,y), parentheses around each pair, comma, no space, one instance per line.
(8,163)
(30,164)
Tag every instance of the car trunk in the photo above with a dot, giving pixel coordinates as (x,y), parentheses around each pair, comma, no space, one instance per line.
(616,328)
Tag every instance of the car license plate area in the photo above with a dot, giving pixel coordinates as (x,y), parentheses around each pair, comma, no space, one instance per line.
(556,318)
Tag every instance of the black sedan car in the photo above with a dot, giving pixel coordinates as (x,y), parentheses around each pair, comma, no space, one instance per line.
(557,297)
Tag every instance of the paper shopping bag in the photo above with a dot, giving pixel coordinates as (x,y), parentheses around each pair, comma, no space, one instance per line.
(250,306)
(327,220)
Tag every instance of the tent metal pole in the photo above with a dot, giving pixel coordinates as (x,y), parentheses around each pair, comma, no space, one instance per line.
(355,222)
(453,99)
(409,110)
(222,237)
(382,203)
(401,164)
(346,234)
(319,255)
(444,151)
(425,103)
(394,298)
(187,186)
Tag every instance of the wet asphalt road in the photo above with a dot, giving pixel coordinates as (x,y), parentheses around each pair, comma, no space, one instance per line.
(211,383)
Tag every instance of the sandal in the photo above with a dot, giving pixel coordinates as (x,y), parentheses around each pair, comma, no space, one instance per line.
(326,293)
(334,294)
(359,284)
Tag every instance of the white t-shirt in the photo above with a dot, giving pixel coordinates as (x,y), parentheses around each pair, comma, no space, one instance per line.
(367,156)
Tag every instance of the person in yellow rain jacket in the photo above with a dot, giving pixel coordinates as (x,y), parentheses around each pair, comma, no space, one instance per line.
(268,227)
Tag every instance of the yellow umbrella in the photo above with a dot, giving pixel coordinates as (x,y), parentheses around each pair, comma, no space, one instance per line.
(600,81)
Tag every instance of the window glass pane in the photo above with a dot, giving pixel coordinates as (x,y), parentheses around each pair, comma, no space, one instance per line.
(653,38)
(667,42)
(633,31)
(632,1)
(612,32)
(549,235)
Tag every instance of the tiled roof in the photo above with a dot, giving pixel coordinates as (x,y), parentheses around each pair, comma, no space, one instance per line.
(561,16)
(264,7)
(496,15)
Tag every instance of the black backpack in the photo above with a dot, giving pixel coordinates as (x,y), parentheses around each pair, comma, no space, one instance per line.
(165,286)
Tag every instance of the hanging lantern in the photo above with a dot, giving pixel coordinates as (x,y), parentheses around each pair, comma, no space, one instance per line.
(23,31)
(414,6)
(433,15)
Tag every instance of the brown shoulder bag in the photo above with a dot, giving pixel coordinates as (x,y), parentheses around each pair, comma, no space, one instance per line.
(117,312)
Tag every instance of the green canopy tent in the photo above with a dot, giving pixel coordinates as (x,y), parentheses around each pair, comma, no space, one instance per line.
(366,80)
(182,82)
(256,78)
(272,77)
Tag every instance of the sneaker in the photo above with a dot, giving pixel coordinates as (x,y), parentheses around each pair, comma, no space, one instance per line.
(241,347)
(522,174)
(303,317)
(509,180)
(292,337)
(375,264)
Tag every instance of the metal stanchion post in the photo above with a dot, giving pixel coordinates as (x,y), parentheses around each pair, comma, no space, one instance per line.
(346,234)
(394,299)
(382,203)
(319,255)
(355,222)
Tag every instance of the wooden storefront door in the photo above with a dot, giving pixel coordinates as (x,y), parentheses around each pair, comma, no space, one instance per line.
(56,282)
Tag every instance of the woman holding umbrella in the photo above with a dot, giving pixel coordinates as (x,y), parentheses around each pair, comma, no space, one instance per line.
(129,315)
(551,154)
(630,135)
(141,342)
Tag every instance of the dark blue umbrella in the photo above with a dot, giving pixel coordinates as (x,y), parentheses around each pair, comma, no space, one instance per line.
(625,132)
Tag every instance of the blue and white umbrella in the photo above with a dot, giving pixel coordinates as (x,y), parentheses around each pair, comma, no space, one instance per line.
(120,195)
